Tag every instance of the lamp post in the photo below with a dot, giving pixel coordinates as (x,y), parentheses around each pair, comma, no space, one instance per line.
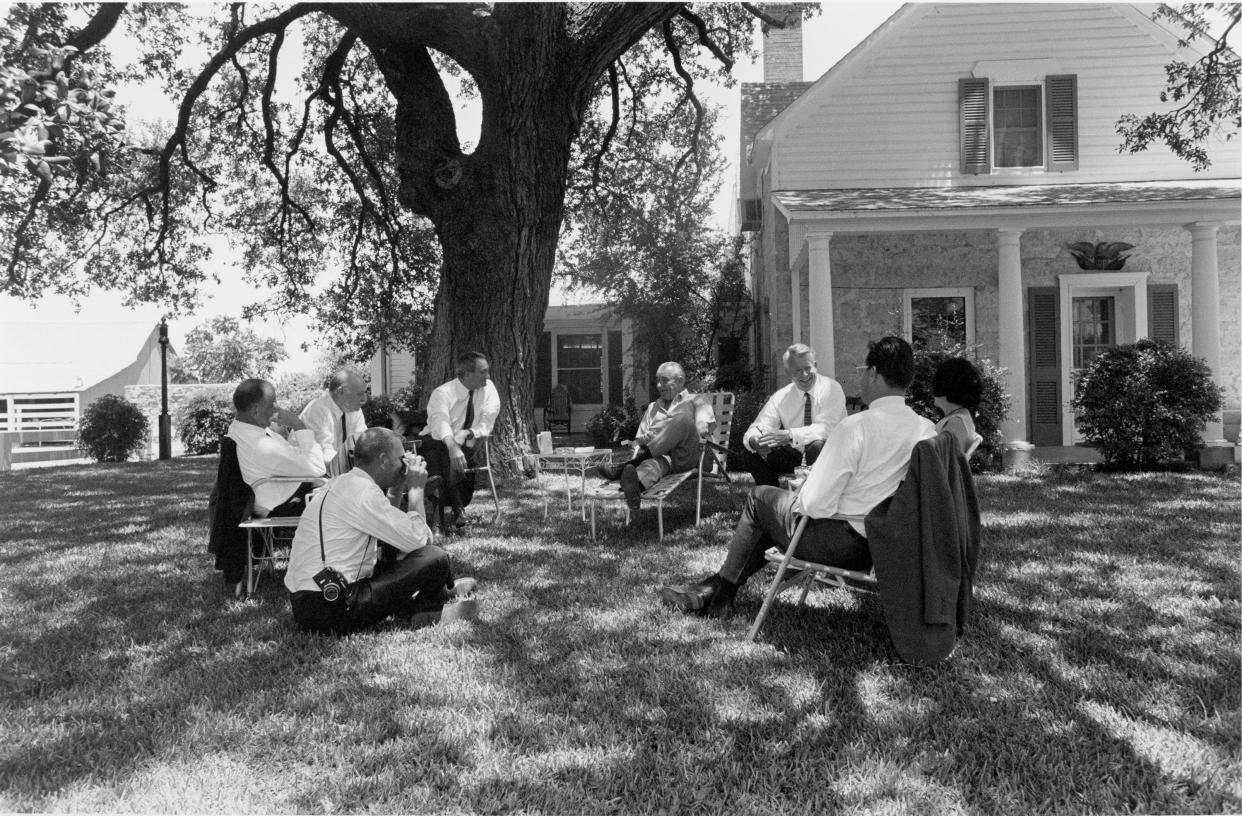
(165,419)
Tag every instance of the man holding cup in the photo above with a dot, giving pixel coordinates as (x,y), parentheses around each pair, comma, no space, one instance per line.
(335,579)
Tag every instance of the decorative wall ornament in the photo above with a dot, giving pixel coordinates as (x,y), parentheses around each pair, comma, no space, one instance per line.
(1105,256)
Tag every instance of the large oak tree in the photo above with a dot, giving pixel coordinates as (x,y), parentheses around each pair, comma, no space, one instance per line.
(496,210)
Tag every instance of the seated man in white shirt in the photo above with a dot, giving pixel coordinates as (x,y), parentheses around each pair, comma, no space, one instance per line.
(336,418)
(263,451)
(341,532)
(795,421)
(862,463)
(458,412)
(667,440)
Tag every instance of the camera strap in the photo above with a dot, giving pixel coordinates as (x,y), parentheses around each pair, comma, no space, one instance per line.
(323,553)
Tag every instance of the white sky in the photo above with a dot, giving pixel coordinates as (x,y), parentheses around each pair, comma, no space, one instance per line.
(826,39)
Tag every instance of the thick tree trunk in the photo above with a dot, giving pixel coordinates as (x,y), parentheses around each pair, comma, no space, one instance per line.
(498,210)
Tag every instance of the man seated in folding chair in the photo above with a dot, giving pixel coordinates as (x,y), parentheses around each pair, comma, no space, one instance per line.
(668,436)
(273,441)
(862,463)
(459,412)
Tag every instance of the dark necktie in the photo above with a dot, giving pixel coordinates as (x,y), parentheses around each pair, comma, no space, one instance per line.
(469,420)
(806,409)
(344,432)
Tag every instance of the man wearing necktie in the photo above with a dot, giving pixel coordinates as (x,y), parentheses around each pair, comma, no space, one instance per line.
(458,414)
(795,420)
(336,418)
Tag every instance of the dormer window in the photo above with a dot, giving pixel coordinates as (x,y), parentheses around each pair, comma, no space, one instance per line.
(1018,125)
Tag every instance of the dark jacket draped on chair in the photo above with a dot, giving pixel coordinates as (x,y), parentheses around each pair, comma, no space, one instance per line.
(230,504)
(924,542)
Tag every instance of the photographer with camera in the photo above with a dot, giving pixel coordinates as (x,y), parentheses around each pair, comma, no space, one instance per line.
(333,578)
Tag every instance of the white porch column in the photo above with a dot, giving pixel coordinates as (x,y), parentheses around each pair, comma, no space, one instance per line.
(795,302)
(1011,349)
(1205,308)
(819,297)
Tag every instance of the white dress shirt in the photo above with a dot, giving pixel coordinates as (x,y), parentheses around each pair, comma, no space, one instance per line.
(356,516)
(446,409)
(262,453)
(785,410)
(863,462)
(323,416)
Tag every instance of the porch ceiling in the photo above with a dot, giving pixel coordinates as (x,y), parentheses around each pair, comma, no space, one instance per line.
(885,209)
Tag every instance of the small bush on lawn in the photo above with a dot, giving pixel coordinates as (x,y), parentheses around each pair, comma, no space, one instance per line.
(112,429)
(204,420)
(1144,404)
(614,424)
(994,407)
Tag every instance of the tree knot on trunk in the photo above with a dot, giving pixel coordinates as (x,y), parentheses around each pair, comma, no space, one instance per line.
(447,174)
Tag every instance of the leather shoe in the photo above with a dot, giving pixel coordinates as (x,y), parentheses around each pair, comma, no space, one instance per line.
(632,486)
(691,597)
(609,472)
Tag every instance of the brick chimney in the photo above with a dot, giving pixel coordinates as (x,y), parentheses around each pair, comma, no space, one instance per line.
(782,47)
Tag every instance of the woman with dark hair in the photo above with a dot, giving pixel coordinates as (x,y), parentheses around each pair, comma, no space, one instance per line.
(957,389)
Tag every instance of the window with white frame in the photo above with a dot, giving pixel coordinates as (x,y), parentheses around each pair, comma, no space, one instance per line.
(937,319)
(1017,126)
(579,365)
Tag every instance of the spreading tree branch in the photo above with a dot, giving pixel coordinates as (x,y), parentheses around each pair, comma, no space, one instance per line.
(705,38)
(674,51)
(612,124)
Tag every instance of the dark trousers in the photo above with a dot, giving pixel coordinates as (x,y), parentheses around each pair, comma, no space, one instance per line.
(784,459)
(425,570)
(768,519)
(455,488)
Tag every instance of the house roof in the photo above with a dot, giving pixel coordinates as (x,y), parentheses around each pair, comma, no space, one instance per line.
(879,199)
(761,102)
(39,358)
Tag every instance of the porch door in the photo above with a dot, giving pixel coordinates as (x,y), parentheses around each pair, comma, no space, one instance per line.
(1093,328)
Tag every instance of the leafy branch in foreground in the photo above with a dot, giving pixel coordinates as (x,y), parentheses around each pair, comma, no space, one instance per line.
(1206,90)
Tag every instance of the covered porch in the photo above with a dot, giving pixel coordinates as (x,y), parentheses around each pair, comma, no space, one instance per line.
(1010,268)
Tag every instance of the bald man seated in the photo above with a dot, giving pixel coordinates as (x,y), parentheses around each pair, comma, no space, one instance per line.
(668,436)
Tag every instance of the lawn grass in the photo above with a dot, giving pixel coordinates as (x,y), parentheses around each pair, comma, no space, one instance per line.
(1100,672)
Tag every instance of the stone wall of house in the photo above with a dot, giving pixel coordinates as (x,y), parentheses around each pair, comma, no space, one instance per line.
(871,272)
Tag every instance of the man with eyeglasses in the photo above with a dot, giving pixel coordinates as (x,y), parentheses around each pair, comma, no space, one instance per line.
(863,461)
(794,422)
(336,418)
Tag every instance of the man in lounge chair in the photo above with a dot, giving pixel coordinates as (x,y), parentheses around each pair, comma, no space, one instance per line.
(667,440)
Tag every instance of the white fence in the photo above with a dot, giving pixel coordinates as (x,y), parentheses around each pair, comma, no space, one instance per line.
(45,417)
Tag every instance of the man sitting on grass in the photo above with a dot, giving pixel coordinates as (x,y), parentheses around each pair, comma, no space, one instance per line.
(335,585)
(667,440)
(862,463)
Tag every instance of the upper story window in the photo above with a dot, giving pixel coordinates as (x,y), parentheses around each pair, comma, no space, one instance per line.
(1018,126)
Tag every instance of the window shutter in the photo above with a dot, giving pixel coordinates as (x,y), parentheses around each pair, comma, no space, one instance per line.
(543,370)
(616,380)
(1162,323)
(972,96)
(1062,101)
(1045,355)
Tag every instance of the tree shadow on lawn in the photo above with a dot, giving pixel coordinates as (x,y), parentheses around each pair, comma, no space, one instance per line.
(577,692)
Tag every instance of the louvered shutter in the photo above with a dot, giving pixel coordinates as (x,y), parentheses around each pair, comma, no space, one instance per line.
(1062,103)
(1162,323)
(543,370)
(1045,355)
(616,380)
(973,125)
